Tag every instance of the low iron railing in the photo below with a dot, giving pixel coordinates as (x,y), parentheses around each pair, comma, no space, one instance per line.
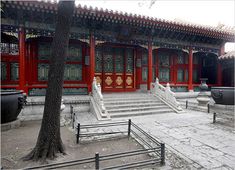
(194,106)
(101,125)
(151,147)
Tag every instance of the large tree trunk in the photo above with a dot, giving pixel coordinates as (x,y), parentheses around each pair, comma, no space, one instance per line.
(49,140)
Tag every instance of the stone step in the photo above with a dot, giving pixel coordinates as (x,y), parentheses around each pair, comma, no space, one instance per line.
(141,113)
(135,94)
(124,94)
(129,98)
(134,104)
(119,102)
(110,111)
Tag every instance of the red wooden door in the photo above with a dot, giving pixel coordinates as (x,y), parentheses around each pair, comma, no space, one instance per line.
(108,69)
(129,69)
(115,69)
(119,71)
(98,65)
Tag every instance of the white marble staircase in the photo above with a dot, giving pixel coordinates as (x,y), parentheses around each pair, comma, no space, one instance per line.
(133,104)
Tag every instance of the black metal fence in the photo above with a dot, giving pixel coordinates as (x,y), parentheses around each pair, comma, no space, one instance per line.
(90,127)
(151,146)
(189,105)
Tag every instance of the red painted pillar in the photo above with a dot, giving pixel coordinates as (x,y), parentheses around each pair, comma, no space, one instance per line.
(92,60)
(190,70)
(157,65)
(150,64)
(22,62)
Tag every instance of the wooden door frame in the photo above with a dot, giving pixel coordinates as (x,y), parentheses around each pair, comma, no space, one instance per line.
(124,66)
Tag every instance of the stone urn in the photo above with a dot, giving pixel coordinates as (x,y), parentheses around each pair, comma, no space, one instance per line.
(203,97)
(203,86)
(223,95)
(11,104)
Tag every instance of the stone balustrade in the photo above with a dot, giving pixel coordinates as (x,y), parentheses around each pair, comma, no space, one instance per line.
(166,95)
(97,96)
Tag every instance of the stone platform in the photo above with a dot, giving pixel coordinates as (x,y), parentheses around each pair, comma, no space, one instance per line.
(35,105)
(10,125)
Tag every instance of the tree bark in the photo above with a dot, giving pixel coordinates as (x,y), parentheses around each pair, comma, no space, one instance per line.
(49,141)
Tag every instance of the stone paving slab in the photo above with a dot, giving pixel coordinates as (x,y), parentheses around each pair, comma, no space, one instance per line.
(192,135)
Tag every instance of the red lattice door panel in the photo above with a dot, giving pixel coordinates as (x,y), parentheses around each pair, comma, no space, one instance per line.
(129,69)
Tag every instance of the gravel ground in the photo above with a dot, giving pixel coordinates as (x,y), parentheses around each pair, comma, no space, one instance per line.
(16,143)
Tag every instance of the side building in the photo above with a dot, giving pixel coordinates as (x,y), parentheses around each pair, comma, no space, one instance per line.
(124,52)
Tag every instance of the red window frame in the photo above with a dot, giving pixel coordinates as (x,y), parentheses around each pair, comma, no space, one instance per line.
(36,60)
(8,59)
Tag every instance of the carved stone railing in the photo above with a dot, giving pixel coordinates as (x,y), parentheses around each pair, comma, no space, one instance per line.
(166,95)
(97,101)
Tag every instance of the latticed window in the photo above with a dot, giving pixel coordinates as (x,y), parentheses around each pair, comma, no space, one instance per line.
(195,76)
(144,63)
(129,61)
(154,58)
(44,51)
(164,59)
(43,71)
(3,71)
(195,59)
(119,60)
(13,49)
(153,74)
(196,67)
(164,66)
(98,60)
(186,75)
(73,66)
(74,53)
(182,58)
(14,71)
(145,58)
(182,66)
(155,66)
(180,75)
(4,48)
(144,74)
(164,74)
(10,48)
(108,60)
(9,63)
(73,72)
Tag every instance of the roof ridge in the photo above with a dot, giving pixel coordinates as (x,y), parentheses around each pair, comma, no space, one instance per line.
(183,23)
(228,55)
(150,21)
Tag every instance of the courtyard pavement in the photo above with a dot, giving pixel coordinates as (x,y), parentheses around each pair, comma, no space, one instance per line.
(191,135)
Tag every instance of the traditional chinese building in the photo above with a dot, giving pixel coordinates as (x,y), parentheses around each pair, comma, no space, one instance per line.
(124,52)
